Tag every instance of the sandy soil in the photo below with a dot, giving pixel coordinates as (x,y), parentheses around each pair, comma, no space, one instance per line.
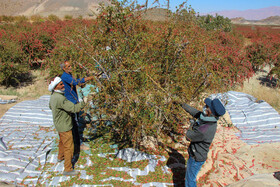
(29,92)
(231,160)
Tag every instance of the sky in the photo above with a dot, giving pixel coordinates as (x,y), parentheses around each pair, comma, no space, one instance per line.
(206,6)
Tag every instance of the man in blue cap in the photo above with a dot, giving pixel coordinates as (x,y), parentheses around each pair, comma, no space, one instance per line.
(201,135)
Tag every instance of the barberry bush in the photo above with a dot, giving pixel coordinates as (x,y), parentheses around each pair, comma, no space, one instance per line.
(147,65)
(263,49)
(12,66)
(217,22)
(143,65)
(25,46)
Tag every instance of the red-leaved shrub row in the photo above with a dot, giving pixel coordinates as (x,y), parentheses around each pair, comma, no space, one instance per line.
(263,47)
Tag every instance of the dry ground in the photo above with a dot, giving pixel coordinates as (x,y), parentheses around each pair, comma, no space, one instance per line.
(254,86)
(30,92)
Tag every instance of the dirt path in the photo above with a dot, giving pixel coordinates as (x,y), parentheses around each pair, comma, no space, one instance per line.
(5,107)
(30,92)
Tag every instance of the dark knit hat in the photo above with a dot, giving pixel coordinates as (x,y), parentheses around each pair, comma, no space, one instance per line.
(216,107)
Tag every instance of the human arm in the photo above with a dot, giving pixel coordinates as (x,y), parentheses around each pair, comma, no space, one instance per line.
(70,80)
(192,111)
(68,106)
(88,78)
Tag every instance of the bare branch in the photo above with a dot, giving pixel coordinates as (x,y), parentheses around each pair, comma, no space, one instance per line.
(103,70)
(202,83)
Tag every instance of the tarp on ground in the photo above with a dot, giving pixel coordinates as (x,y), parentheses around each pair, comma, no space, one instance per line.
(27,134)
(257,121)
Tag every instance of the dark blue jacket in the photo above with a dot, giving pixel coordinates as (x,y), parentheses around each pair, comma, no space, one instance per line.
(201,134)
(70,87)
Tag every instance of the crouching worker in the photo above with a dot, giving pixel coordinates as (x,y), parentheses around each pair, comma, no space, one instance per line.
(201,135)
(61,111)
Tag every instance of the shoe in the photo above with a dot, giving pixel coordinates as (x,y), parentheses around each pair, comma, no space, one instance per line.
(277,175)
(58,160)
(84,147)
(70,173)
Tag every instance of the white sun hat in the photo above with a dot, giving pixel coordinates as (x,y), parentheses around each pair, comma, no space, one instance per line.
(53,84)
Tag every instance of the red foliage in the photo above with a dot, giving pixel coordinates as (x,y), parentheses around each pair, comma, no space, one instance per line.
(264,46)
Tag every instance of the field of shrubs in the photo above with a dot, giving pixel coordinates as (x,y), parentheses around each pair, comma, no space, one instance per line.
(145,65)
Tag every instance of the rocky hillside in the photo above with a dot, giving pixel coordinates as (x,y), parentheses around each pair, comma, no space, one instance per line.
(87,8)
(60,8)
(273,20)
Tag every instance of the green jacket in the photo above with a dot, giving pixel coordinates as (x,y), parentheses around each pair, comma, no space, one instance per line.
(61,111)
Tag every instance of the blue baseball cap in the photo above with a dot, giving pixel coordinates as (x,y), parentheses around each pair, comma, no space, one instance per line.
(216,107)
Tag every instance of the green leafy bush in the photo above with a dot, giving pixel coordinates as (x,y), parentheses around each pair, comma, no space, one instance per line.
(257,54)
(53,18)
(146,65)
(12,69)
(68,17)
(20,19)
(12,74)
(8,19)
(37,18)
(218,22)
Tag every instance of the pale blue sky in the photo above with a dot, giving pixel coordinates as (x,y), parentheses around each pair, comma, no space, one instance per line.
(205,6)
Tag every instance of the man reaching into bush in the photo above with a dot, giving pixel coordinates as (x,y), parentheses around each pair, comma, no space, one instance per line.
(201,135)
(61,109)
(71,94)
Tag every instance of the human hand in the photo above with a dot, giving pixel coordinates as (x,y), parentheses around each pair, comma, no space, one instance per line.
(89,78)
(85,99)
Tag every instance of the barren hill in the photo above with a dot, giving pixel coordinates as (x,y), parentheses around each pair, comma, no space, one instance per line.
(273,20)
(86,8)
(156,14)
(47,7)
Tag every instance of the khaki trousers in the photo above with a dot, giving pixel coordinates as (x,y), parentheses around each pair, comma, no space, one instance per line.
(66,149)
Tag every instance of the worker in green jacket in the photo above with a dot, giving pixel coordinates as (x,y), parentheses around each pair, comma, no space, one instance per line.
(61,111)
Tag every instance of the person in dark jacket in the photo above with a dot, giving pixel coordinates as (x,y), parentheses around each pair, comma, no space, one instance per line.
(201,134)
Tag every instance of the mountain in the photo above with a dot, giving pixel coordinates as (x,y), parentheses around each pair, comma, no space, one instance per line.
(86,8)
(250,14)
(273,20)
(46,7)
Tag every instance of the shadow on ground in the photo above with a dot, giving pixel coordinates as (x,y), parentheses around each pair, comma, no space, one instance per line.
(268,81)
(177,163)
